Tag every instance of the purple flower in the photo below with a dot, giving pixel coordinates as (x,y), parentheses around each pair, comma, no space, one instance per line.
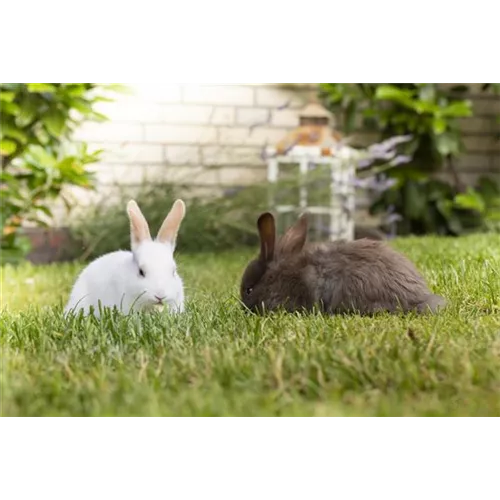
(388,145)
(392,218)
(395,141)
(374,184)
(360,183)
(400,160)
(365,163)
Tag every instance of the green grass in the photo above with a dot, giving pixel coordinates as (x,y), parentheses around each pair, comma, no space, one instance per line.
(217,360)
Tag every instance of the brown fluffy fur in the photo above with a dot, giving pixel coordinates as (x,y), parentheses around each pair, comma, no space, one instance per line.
(362,276)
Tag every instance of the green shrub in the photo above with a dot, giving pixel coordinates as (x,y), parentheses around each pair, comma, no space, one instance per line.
(430,115)
(37,119)
(212,223)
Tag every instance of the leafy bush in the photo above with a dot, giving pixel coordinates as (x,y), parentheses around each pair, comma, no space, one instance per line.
(429,114)
(36,121)
(212,223)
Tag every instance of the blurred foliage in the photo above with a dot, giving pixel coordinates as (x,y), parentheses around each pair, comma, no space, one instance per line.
(224,220)
(429,113)
(36,121)
(211,223)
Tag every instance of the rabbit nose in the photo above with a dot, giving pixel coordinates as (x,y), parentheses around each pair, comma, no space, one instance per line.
(160,299)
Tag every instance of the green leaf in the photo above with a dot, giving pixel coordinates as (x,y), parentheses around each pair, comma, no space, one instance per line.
(76,89)
(41,87)
(37,220)
(102,99)
(29,107)
(9,108)
(41,134)
(81,105)
(439,125)
(7,96)
(425,107)
(458,109)
(117,87)
(71,170)
(447,144)
(392,93)
(471,200)
(7,147)
(489,190)
(8,130)
(414,200)
(98,117)
(6,177)
(40,157)
(54,122)
(350,117)
(46,210)
(445,208)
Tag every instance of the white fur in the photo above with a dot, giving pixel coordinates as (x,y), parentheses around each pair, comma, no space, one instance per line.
(113,280)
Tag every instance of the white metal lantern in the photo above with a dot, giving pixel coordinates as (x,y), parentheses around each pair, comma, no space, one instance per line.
(314,146)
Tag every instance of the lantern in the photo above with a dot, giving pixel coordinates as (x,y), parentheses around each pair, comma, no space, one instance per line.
(326,171)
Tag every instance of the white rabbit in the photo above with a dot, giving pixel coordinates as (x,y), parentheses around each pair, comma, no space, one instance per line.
(142,279)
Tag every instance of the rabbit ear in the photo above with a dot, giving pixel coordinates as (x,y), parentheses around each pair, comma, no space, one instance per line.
(170,227)
(139,229)
(295,238)
(267,233)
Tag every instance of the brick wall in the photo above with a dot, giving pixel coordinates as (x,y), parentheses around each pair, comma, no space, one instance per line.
(213,135)
(482,138)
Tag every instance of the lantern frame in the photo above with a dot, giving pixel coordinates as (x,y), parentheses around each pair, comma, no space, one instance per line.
(341,164)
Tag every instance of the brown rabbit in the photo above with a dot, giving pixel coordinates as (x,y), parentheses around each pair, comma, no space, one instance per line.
(362,276)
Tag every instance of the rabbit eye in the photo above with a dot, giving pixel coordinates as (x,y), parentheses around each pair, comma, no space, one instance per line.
(142,273)
(249,290)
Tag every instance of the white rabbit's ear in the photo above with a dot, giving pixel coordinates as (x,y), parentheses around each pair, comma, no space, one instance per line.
(139,229)
(170,227)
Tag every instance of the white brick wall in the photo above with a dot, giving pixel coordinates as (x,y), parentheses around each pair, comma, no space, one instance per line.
(179,132)
(219,94)
(251,116)
(191,125)
(110,132)
(182,155)
(223,115)
(244,156)
(134,153)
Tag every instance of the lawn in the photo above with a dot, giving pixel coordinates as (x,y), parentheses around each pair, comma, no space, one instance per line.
(217,360)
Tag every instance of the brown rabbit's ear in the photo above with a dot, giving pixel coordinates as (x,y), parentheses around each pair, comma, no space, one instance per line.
(267,233)
(139,229)
(294,239)
(170,227)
